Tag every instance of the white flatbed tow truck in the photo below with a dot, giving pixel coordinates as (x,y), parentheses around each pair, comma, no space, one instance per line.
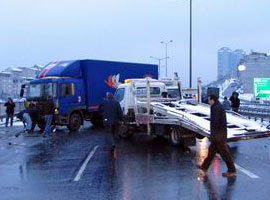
(146,110)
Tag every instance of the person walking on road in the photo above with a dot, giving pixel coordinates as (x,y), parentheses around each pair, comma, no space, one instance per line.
(218,128)
(48,111)
(112,113)
(235,102)
(226,104)
(10,106)
(112,116)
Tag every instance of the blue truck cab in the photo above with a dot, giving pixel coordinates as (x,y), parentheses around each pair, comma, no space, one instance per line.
(78,87)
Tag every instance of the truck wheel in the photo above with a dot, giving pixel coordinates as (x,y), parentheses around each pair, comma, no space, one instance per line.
(175,137)
(75,122)
(124,132)
(200,137)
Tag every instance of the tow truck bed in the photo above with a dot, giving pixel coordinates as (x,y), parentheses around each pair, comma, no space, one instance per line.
(196,118)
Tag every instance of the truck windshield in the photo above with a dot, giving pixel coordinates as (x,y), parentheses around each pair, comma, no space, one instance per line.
(42,90)
(35,91)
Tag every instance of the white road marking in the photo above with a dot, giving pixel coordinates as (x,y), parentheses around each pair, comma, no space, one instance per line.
(82,168)
(245,171)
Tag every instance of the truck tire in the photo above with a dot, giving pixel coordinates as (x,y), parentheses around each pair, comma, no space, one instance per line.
(75,122)
(176,137)
(124,132)
(200,137)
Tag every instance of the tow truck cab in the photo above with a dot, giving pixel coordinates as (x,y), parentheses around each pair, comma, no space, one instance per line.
(137,87)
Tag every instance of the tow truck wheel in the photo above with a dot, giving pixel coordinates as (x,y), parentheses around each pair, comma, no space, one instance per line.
(75,122)
(124,132)
(175,137)
(200,137)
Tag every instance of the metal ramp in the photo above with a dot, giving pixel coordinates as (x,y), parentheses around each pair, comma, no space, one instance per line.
(196,117)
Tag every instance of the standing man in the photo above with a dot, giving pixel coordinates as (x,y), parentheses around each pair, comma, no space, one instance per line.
(9,111)
(48,111)
(112,113)
(218,128)
(226,104)
(235,102)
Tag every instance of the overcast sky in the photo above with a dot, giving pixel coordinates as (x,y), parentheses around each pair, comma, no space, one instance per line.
(37,32)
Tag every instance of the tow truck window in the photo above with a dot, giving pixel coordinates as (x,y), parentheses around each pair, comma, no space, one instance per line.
(67,89)
(141,91)
(119,94)
(173,93)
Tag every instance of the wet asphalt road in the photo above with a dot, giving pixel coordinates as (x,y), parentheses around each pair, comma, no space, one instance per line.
(81,166)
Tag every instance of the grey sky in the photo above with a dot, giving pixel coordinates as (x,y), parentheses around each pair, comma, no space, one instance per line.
(37,32)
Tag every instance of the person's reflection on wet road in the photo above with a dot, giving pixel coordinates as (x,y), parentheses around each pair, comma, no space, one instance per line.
(219,193)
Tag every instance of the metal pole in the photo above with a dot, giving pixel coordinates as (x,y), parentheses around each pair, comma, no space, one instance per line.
(190,47)
(148,96)
(166,47)
(159,68)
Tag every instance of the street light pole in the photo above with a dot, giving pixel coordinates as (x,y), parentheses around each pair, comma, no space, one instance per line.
(159,60)
(190,47)
(166,54)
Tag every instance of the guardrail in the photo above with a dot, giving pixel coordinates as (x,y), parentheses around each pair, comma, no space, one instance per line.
(261,114)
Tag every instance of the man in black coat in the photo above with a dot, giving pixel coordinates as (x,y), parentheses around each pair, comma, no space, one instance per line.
(218,128)
(112,113)
(235,102)
(10,105)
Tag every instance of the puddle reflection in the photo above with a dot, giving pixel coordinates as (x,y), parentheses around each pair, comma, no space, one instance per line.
(216,192)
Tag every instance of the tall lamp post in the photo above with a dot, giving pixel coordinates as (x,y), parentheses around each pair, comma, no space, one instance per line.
(166,53)
(159,60)
(190,46)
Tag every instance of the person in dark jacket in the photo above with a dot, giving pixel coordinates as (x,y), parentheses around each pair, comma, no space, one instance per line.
(34,113)
(235,102)
(226,104)
(218,128)
(49,112)
(10,105)
(112,113)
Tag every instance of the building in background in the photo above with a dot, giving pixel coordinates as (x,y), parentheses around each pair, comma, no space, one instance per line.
(255,65)
(228,61)
(12,78)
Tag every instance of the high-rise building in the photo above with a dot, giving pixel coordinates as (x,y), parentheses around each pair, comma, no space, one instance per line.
(228,61)
(256,65)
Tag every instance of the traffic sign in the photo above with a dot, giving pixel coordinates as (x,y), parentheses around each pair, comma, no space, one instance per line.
(262,87)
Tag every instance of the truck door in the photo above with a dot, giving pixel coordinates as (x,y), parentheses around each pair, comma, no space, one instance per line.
(120,97)
(71,97)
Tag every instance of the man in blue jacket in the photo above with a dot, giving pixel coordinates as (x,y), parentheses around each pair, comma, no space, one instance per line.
(112,113)
(218,128)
